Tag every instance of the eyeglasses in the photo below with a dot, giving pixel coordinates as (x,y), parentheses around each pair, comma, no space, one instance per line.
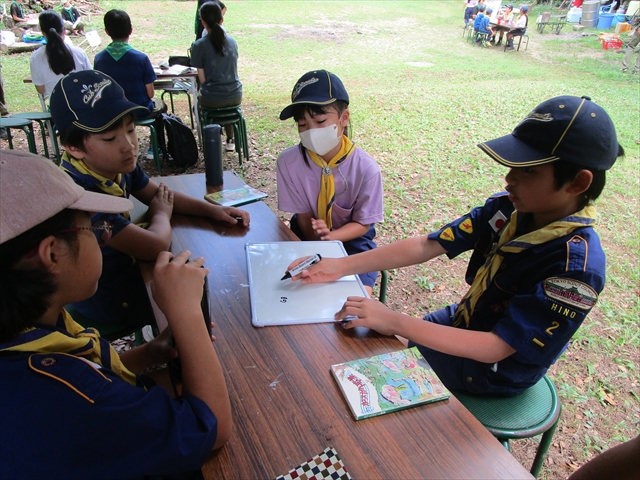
(101,229)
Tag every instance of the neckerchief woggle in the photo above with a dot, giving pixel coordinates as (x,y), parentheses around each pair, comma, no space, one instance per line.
(508,244)
(74,340)
(327,194)
(117,49)
(116,188)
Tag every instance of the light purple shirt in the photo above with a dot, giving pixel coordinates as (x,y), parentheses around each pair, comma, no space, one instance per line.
(358,187)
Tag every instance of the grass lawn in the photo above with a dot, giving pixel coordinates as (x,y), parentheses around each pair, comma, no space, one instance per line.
(421,99)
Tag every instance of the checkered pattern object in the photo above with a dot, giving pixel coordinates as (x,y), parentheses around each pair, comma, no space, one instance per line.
(320,467)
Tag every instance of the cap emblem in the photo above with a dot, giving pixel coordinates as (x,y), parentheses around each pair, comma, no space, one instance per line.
(93,93)
(301,85)
(540,117)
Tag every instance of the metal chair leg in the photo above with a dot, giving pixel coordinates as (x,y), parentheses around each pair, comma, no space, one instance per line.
(543,448)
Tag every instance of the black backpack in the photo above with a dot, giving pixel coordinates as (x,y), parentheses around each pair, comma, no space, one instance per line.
(180,149)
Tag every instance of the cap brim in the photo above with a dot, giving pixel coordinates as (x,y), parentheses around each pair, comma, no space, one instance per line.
(288,111)
(511,152)
(103,203)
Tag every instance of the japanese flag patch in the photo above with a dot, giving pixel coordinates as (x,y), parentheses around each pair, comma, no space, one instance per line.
(497,221)
(571,292)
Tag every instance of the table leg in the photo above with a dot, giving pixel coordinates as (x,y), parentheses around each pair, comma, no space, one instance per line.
(194,94)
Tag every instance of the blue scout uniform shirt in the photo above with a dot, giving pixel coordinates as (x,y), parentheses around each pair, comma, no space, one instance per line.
(121,298)
(535,303)
(64,417)
(133,72)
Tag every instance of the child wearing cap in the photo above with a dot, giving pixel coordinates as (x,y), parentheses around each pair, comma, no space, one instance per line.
(482,25)
(65,384)
(505,17)
(97,129)
(333,187)
(537,265)
(519,27)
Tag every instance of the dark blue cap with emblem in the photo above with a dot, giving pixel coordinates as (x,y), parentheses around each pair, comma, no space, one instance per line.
(573,129)
(90,100)
(318,87)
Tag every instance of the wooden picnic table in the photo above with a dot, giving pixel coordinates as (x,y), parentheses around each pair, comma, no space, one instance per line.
(286,405)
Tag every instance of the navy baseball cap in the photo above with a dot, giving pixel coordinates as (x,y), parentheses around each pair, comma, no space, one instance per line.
(90,100)
(318,87)
(573,129)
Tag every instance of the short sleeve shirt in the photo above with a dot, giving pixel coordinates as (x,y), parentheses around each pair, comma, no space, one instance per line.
(93,424)
(121,294)
(220,72)
(133,72)
(16,10)
(358,187)
(41,73)
(539,297)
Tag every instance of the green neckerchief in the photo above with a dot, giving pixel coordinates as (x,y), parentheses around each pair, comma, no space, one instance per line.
(19,8)
(509,243)
(70,12)
(117,49)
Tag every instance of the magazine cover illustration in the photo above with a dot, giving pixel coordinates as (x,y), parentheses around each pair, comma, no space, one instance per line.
(387,383)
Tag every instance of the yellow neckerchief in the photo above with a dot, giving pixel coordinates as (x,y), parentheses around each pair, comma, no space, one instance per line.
(77,341)
(105,184)
(327,193)
(508,244)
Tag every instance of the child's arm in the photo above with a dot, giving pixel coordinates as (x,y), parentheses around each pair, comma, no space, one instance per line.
(345,233)
(486,347)
(177,289)
(410,251)
(187,205)
(150,90)
(146,244)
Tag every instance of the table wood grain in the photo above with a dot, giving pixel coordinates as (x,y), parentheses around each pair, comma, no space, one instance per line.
(287,406)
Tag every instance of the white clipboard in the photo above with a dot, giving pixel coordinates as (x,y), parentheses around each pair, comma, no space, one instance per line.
(284,302)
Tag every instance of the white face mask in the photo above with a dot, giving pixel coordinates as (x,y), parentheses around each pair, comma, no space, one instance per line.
(321,140)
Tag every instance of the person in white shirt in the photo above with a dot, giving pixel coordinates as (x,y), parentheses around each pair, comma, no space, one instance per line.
(57,58)
(519,28)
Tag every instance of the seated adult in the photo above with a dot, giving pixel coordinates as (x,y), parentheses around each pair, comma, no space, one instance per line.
(71,18)
(216,58)
(130,68)
(519,27)
(57,58)
(17,15)
(505,17)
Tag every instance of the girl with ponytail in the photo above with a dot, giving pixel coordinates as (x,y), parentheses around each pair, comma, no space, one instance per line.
(216,58)
(57,58)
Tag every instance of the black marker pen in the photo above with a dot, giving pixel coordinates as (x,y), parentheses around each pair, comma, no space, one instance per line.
(299,268)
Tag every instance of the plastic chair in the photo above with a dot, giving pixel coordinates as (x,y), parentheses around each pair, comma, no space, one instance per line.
(228,116)
(23,124)
(93,38)
(149,122)
(533,412)
(177,89)
(43,118)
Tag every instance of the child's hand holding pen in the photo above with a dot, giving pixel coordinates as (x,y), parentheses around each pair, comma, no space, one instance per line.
(324,271)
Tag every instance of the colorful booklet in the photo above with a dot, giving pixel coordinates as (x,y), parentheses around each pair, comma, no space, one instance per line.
(388,383)
(322,466)
(235,197)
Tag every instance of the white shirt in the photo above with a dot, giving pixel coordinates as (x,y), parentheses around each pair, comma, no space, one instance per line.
(41,73)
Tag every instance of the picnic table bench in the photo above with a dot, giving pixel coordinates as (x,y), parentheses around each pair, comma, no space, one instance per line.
(553,21)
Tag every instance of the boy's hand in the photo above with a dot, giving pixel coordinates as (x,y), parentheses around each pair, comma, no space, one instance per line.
(321,229)
(371,313)
(326,270)
(177,285)
(159,350)
(162,202)
(231,215)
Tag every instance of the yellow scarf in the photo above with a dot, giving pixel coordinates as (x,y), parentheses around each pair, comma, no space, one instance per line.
(508,244)
(115,188)
(327,194)
(80,342)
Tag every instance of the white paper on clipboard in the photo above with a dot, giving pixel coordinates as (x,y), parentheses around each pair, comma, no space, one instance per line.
(276,302)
